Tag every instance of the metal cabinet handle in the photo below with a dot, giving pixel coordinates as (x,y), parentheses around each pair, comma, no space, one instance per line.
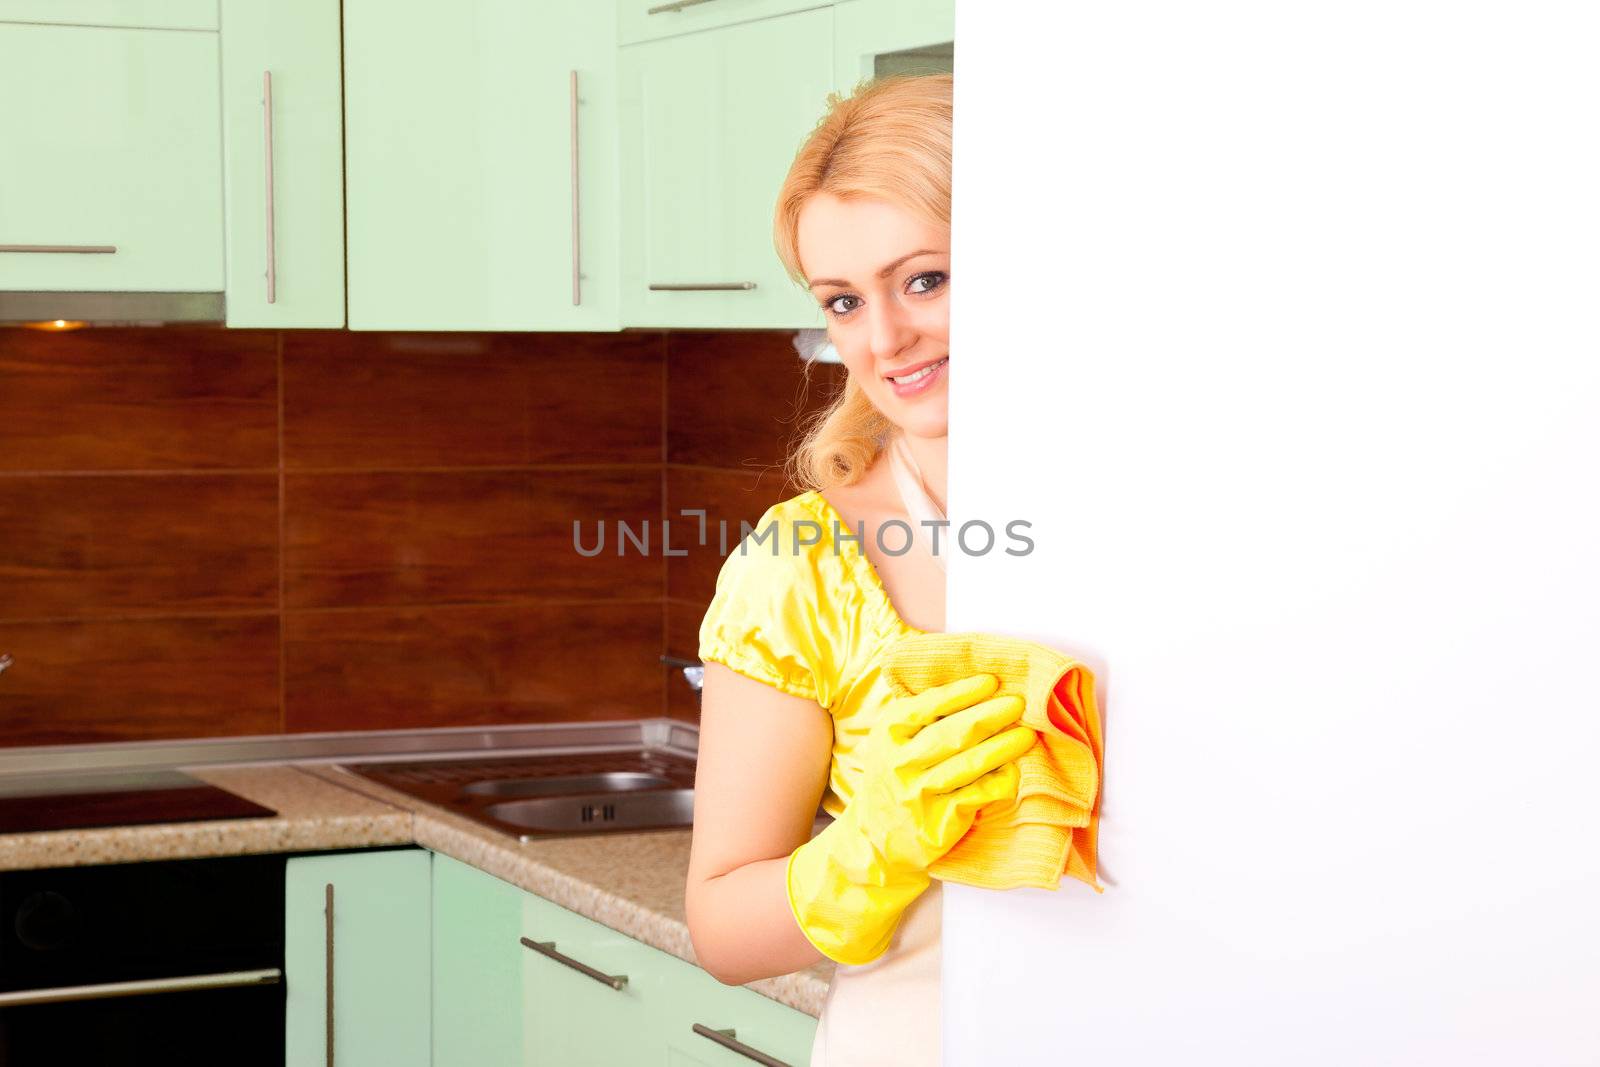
(548,948)
(690,287)
(90,249)
(577,292)
(676,5)
(272,233)
(142,987)
(327,949)
(726,1039)
(5,661)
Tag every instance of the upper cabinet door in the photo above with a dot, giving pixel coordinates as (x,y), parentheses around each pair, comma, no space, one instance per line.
(285,191)
(880,38)
(112,148)
(710,123)
(481,165)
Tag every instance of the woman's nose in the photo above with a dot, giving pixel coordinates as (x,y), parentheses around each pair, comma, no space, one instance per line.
(891,329)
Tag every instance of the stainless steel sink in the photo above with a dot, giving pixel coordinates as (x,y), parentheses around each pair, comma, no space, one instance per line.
(593,811)
(560,794)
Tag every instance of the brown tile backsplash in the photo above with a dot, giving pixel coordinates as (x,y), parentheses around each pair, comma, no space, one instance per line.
(138,679)
(107,544)
(472,665)
(736,400)
(463,536)
(225,532)
(683,641)
(394,401)
(163,399)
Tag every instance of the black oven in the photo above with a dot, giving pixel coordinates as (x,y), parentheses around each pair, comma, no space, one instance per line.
(174,963)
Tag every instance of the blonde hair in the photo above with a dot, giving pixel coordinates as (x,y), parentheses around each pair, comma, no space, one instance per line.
(889,140)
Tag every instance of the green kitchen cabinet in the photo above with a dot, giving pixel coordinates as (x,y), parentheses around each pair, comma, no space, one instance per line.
(284,178)
(875,38)
(360,924)
(480,170)
(477,967)
(113,159)
(710,123)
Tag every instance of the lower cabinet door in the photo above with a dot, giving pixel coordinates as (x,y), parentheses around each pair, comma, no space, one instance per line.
(595,996)
(358,923)
(704,1022)
(581,992)
(477,967)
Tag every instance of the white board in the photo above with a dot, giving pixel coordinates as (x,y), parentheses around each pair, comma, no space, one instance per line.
(1283,330)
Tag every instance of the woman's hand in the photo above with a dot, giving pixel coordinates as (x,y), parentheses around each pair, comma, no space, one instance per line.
(932,761)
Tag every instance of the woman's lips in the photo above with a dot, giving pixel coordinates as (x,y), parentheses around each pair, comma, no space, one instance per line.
(920,381)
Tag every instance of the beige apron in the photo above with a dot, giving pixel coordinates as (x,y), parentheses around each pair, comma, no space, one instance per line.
(887,1012)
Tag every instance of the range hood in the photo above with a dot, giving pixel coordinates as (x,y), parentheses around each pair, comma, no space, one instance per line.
(110,309)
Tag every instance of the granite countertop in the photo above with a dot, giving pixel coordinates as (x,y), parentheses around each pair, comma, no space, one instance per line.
(632,883)
(312,814)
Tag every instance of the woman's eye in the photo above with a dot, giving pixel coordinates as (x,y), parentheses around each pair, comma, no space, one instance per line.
(843,304)
(927,281)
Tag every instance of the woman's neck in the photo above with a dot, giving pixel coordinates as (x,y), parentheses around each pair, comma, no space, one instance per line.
(932,456)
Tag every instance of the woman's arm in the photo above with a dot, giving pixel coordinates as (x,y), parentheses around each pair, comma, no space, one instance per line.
(763,765)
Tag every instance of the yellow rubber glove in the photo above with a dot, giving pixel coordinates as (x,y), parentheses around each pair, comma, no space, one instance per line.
(932,760)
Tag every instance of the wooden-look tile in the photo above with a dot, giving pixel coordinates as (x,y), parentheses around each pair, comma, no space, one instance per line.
(738,398)
(138,399)
(85,545)
(137,680)
(472,665)
(355,539)
(729,498)
(683,641)
(397,400)
(597,398)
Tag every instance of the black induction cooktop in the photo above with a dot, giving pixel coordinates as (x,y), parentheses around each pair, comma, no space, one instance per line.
(139,798)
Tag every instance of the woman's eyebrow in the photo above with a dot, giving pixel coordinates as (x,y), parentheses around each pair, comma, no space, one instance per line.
(884,273)
(890,269)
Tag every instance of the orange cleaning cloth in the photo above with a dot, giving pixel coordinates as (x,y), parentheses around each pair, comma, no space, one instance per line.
(1051,828)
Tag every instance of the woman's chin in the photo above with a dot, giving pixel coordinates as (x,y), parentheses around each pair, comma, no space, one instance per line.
(929,422)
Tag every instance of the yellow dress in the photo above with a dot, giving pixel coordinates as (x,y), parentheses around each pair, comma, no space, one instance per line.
(802,609)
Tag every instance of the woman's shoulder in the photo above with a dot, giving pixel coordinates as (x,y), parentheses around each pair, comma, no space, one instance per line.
(784,551)
(789,606)
(799,523)
(764,619)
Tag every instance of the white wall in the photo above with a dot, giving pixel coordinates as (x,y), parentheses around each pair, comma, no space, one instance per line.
(1284,331)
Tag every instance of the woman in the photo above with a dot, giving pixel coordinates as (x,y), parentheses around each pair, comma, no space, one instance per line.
(794,707)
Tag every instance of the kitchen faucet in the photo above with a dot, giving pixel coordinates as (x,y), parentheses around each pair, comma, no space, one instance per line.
(694,672)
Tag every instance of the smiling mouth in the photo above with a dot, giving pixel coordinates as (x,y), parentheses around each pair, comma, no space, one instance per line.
(918,375)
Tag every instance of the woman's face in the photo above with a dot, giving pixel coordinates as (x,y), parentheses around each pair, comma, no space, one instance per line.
(882,276)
